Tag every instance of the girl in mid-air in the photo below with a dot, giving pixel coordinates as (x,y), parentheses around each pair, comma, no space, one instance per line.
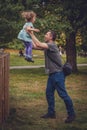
(30,18)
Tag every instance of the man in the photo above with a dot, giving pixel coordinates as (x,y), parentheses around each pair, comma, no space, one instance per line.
(56,78)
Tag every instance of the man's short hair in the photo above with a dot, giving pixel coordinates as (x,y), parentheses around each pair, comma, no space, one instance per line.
(53,35)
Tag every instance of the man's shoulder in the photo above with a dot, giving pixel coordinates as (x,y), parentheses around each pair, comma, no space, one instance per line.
(52,45)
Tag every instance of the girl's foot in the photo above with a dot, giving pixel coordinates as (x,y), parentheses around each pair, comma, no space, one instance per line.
(29,59)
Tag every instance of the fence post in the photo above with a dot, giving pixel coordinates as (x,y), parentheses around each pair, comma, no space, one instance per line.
(4,86)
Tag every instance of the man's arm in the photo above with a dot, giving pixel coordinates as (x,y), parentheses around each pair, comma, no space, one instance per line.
(37,42)
(35,47)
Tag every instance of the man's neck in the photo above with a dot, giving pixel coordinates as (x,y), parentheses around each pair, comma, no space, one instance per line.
(50,41)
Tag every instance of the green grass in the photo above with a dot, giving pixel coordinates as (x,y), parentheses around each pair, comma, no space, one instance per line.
(15,60)
(38,57)
(27,97)
(81,60)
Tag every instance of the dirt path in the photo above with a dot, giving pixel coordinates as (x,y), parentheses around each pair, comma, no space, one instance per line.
(37,66)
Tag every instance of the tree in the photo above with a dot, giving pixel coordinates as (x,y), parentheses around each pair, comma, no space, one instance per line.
(75,13)
(9,18)
(63,16)
(71,18)
(7,31)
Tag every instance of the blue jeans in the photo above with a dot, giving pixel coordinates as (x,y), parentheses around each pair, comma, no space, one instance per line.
(28,49)
(57,81)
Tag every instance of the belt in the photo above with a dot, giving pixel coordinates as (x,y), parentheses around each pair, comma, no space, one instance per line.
(55,72)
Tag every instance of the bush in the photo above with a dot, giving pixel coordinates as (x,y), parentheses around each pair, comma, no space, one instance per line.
(16,44)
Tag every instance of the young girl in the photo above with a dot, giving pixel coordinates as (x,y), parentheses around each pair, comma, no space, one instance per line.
(30,18)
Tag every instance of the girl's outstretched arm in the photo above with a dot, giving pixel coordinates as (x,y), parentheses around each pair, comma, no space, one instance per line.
(32,29)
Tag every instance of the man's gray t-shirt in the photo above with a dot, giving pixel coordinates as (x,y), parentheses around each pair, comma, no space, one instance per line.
(53,61)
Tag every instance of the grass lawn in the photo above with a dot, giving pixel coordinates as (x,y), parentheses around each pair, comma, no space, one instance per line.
(16,60)
(38,57)
(28,102)
(27,98)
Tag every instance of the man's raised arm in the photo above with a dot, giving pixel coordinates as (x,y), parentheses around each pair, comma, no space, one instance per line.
(37,42)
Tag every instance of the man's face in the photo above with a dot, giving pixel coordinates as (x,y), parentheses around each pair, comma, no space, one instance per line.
(48,37)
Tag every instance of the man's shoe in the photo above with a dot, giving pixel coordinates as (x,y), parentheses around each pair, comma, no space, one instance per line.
(48,115)
(70,119)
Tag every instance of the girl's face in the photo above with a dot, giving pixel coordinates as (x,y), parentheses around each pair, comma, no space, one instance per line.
(33,19)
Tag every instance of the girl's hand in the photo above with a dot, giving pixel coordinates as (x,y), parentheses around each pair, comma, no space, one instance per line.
(36,30)
(28,28)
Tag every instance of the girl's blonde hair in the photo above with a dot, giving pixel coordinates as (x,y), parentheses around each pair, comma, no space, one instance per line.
(28,15)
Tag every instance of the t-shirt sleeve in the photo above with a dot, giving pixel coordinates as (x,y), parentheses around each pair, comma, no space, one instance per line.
(28,24)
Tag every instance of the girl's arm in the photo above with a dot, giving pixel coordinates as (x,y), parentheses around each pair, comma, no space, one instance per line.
(32,29)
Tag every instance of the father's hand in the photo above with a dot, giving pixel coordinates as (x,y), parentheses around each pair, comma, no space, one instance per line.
(28,30)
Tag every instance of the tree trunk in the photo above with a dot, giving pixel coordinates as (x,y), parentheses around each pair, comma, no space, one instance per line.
(71,50)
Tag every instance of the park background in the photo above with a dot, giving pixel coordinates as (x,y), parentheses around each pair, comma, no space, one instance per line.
(27,86)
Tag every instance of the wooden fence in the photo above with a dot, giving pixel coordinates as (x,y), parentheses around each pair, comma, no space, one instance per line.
(4,86)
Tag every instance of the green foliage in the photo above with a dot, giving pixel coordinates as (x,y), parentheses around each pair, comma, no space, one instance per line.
(10,11)
(75,12)
(61,16)
(84,47)
(7,31)
(84,35)
(9,16)
(15,44)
